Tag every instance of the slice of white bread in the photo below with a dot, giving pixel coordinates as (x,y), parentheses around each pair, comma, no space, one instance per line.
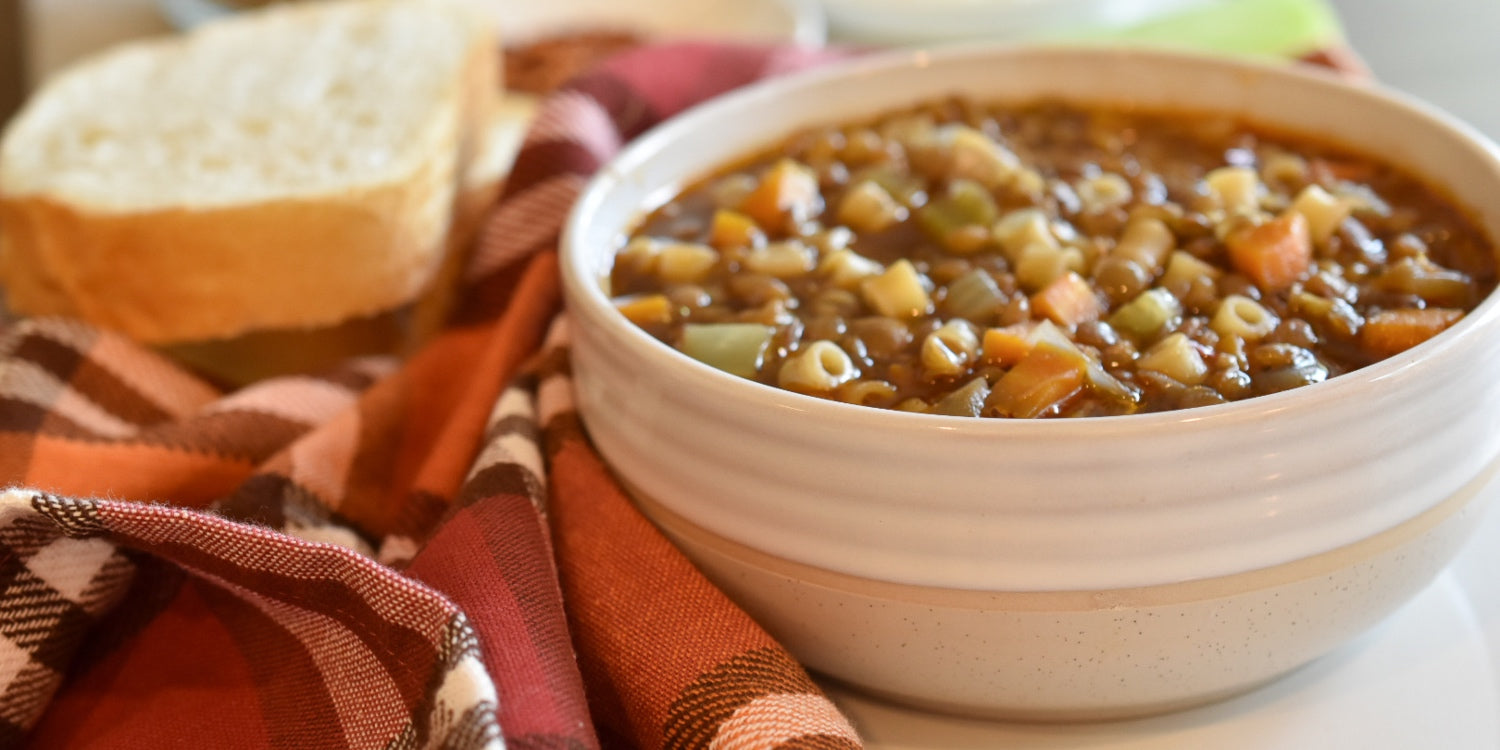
(264,353)
(289,168)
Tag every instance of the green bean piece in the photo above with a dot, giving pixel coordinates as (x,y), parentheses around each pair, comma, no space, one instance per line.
(736,348)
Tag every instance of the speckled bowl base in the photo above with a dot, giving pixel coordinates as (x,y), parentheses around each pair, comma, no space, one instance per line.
(1081,655)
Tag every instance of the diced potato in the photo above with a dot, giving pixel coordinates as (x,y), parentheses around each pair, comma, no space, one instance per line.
(784,260)
(651,309)
(1234,189)
(1177,358)
(734,229)
(899,292)
(685,262)
(1039,265)
(975,156)
(1021,229)
(736,348)
(1272,255)
(1323,212)
(867,207)
(1067,301)
(846,268)
(786,193)
(1183,270)
(1394,331)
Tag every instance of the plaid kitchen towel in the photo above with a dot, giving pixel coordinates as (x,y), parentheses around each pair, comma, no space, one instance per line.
(422,554)
(366,558)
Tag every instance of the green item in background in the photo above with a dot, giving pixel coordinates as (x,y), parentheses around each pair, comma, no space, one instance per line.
(1260,28)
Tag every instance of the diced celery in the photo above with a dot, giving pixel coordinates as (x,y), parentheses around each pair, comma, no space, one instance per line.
(1437,286)
(973,296)
(1146,316)
(967,401)
(948,219)
(736,348)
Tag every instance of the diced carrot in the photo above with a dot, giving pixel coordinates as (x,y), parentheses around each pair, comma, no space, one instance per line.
(1393,331)
(1006,346)
(1272,255)
(653,308)
(1044,379)
(786,190)
(734,229)
(1067,301)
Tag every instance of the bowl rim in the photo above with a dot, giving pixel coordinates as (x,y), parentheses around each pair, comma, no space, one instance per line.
(586,298)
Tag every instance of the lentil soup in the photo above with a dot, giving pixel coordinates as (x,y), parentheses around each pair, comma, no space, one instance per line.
(1049,260)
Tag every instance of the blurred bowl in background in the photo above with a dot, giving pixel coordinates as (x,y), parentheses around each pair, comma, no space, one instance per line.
(799,21)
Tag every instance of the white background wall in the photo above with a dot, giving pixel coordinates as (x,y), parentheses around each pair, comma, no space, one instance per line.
(1444,51)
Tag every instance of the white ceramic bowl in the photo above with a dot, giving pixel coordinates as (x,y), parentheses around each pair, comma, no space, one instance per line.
(1056,568)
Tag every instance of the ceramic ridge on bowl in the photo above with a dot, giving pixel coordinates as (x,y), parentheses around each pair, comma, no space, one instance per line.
(1049,505)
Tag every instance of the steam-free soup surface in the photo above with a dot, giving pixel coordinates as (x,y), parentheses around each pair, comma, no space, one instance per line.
(1048,260)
